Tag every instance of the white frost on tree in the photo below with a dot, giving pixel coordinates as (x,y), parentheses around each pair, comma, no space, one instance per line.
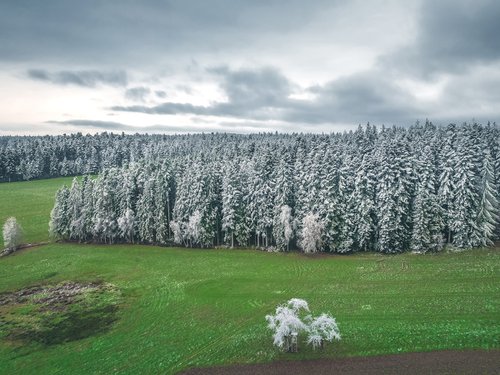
(488,217)
(176,228)
(283,228)
(194,228)
(126,225)
(322,328)
(287,324)
(312,231)
(12,234)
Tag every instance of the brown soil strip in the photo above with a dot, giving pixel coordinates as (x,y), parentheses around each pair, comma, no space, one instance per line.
(440,362)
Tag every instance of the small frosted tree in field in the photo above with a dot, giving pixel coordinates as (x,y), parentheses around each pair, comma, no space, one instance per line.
(287,324)
(312,231)
(322,328)
(12,234)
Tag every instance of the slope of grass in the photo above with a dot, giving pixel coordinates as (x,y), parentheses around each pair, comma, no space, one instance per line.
(30,202)
(184,307)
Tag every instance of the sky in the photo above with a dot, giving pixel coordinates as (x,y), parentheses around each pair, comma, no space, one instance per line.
(245,66)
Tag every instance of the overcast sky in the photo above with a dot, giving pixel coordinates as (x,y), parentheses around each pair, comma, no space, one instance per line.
(245,65)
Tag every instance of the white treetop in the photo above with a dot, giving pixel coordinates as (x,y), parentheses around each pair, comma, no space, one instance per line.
(322,328)
(287,323)
(312,230)
(12,233)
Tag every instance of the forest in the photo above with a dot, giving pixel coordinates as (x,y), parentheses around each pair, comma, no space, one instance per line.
(388,190)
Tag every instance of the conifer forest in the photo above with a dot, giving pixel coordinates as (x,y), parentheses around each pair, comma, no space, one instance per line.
(387,190)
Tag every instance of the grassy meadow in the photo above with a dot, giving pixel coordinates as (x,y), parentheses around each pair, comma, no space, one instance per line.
(179,308)
(30,202)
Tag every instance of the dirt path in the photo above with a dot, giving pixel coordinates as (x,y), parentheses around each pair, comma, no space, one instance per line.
(441,362)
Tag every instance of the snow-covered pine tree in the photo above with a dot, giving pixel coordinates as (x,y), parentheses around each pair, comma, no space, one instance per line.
(463,225)
(427,217)
(60,216)
(232,202)
(393,196)
(146,212)
(77,222)
(312,233)
(284,228)
(487,218)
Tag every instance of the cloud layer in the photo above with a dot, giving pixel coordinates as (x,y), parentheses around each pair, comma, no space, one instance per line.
(241,65)
(84,78)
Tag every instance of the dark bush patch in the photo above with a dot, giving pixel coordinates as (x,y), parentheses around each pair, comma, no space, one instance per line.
(52,315)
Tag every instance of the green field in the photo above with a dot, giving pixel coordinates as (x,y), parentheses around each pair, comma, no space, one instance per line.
(179,308)
(30,202)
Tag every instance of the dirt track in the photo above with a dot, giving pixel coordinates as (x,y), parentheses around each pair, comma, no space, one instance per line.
(441,362)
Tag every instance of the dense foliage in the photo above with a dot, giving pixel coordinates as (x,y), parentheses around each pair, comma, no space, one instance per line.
(391,190)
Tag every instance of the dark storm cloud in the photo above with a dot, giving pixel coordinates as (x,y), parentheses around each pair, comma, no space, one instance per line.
(83,78)
(264,94)
(250,93)
(452,37)
(140,31)
(355,99)
(138,94)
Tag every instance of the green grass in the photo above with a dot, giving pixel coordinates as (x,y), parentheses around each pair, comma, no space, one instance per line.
(184,307)
(30,203)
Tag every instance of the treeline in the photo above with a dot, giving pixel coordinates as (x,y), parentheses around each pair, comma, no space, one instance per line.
(35,157)
(392,190)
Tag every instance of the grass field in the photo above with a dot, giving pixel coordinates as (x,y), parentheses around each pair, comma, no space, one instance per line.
(180,308)
(30,202)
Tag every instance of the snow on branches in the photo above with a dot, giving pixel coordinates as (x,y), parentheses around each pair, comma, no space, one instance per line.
(290,320)
(12,234)
(418,188)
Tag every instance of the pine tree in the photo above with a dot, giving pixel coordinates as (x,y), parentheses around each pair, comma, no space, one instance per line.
(427,216)
(466,199)
(487,218)
(60,216)
(283,228)
(312,233)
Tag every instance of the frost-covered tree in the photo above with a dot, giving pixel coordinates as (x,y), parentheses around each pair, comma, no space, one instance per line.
(311,235)
(427,234)
(12,234)
(127,225)
(77,220)
(466,232)
(290,320)
(146,212)
(369,188)
(320,329)
(364,208)
(232,203)
(287,324)
(394,196)
(60,216)
(177,231)
(194,229)
(283,228)
(487,218)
